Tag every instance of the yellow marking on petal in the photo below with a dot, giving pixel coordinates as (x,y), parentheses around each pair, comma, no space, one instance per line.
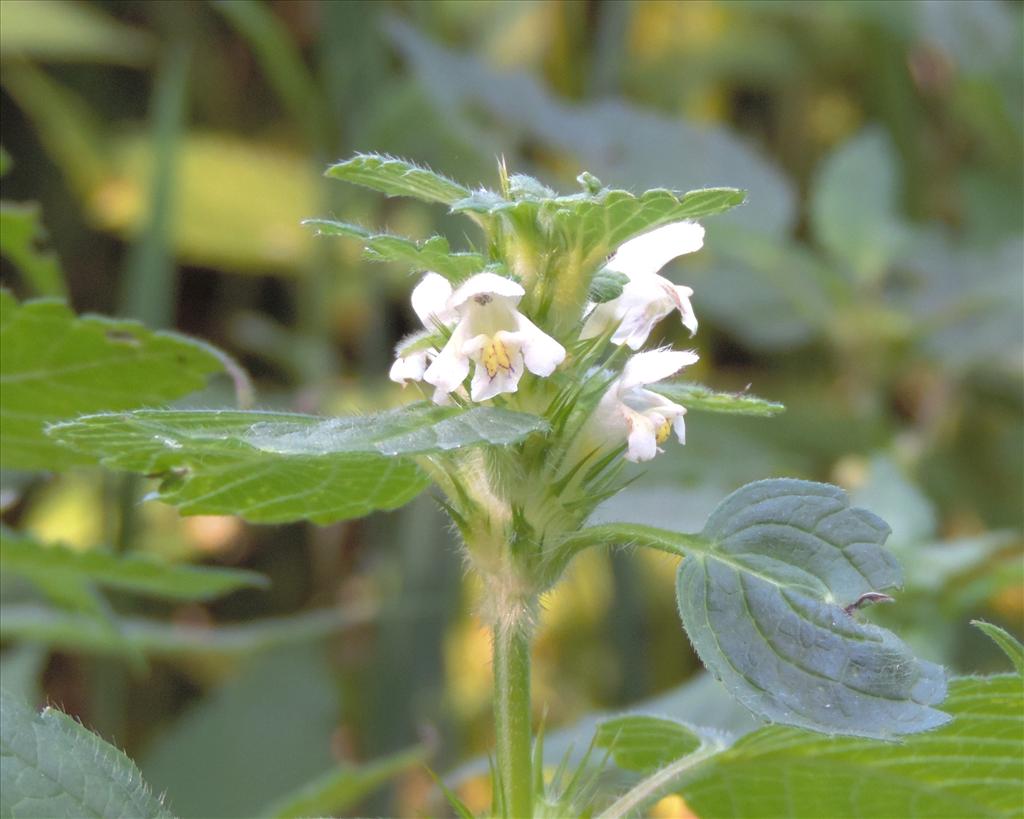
(495,357)
(662,433)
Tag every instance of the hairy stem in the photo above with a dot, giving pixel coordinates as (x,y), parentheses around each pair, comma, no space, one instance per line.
(654,786)
(512,716)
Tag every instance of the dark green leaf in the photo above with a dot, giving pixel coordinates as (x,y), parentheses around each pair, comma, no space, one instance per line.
(51,766)
(606,285)
(767,594)
(55,366)
(970,767)
(433,254)
(639,742)
(702,399)
(134,573)
(397,177)
(339,791)
(1006,641)
(274,467)
(20,230)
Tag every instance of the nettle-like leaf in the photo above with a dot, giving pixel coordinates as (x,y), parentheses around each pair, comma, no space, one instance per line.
(55,366)
(139,574)
(645,743)
(276,467)
(51,766)
(398,177)
(768,592)
(433,254)
(703,399)
(593,225)
(970,767)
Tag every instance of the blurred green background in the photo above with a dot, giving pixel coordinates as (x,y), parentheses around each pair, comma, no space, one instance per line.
(873,283)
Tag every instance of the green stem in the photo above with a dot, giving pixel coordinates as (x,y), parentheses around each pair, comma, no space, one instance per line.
(512,717)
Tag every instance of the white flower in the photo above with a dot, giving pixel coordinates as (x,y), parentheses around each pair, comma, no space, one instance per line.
(639,416)
(430,301)
(647,297)
(495,336)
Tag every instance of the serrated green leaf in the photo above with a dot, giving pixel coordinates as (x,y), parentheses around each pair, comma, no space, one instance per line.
(339,791)
(20,229)
(970,767)
(644,743)
(51,766)
(767,594)
(55,366)
(1010,645)
(592,226)
(134,636)
(134,573)
(433,254)
(703,399)
(398,177)
(274,467)
(606,285)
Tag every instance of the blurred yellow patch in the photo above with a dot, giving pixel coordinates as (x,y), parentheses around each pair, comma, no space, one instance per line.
(69,511)
(672,807)
(832,116)
(660,27)
(467,654)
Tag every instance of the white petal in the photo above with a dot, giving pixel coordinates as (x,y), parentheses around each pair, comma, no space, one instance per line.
(430,300)
(642,441)
(485,284)
(689,318)
(451,366)
(679,425)
(599,318)
(409,368)
(651,251)
(540,351)
(655,365)
(485,387)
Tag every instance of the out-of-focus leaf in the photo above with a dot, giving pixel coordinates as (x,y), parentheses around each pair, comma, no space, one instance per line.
(55,366)
(966,301)
(433,254)
(20,229)
(339,791)
(132,636)
(134,573)
(622,144)
(398,177)
(21,671)
(51,766)
(62,31)
(263,733)
(644,743)
(854,206)
(767,593)
(768,292)
(970,767)
(702,399)
(273,467)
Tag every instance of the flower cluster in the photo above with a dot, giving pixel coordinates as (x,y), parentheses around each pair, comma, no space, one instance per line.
(478,326)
